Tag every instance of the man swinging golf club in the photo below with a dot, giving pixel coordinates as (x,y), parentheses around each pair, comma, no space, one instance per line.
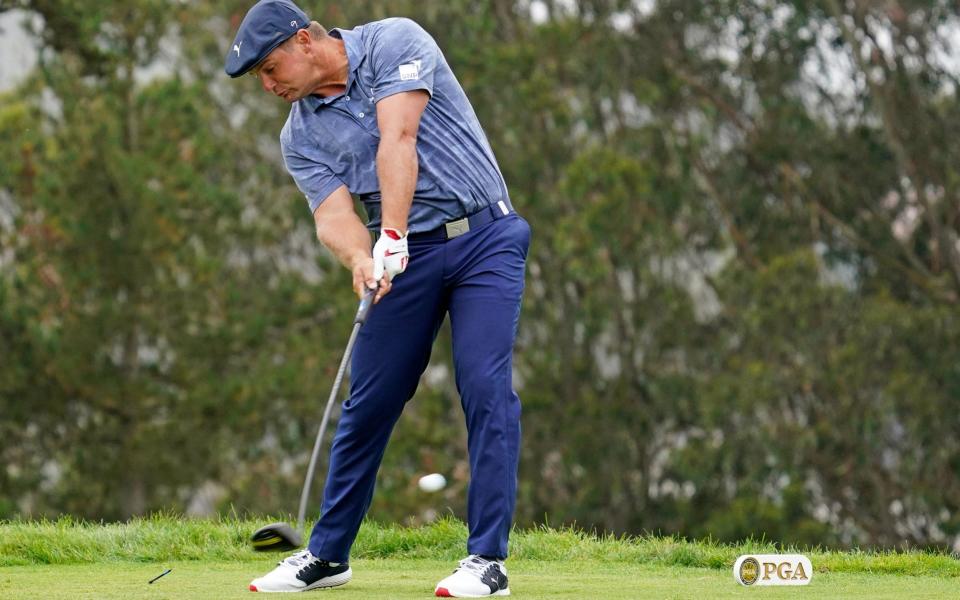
(377,112)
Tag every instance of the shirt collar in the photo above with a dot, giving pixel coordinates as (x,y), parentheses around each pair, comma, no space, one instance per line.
(355,56)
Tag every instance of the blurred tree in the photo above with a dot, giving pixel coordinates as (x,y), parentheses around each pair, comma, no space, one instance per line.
(167,317)
(741,311)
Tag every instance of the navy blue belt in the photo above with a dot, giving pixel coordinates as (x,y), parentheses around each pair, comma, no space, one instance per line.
(450,230)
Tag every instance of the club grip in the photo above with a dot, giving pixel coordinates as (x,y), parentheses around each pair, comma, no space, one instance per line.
(364,309)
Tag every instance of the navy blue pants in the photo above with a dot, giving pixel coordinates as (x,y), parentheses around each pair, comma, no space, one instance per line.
(478,279)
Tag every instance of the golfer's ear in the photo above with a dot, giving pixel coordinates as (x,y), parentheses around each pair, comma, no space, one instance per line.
(304,38)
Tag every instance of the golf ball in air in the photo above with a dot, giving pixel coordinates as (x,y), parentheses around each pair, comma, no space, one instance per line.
(432,482)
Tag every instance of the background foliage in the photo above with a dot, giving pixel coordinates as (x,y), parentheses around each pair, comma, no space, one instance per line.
(742,307)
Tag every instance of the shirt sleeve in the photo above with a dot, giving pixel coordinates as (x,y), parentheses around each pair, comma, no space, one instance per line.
(404,58)
(316,180)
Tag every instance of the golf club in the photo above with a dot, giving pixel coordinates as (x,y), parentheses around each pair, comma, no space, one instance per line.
(280,536)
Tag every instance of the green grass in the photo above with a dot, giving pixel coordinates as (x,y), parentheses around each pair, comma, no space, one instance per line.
(211,559)
(414,578)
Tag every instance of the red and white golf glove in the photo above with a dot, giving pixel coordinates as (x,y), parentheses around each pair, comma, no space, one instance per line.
(390,254)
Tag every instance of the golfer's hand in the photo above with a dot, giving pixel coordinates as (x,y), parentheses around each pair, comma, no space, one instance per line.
(363,279)
(390,254)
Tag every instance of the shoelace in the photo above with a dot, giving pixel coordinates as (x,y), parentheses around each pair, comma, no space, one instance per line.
(298,560)
(476,564)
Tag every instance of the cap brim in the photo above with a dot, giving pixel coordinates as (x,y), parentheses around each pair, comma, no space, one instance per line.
(243,69)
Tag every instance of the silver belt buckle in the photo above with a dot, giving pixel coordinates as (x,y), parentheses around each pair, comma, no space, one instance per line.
(457,228)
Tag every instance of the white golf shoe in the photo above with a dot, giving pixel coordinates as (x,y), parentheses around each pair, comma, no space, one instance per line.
(301,572)
(475,577)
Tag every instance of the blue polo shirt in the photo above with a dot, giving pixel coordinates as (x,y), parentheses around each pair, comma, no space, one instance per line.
(332,141)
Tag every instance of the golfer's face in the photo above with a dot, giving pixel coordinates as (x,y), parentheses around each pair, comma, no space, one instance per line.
(284,73)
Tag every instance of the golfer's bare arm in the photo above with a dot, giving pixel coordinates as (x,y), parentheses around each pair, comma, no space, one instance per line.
(340,229)
(398,117)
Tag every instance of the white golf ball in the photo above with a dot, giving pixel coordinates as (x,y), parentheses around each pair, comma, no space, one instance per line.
(433,482)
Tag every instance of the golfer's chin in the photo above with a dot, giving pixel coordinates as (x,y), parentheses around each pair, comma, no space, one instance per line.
(289,96)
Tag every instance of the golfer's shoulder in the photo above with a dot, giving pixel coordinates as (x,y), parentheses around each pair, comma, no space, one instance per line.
(394,31)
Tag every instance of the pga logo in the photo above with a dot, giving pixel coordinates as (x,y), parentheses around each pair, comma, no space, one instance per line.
(773,569)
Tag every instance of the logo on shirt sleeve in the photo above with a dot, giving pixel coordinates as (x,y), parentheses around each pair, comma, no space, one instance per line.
(409,71)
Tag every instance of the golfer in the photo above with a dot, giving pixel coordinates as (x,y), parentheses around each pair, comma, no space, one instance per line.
(376,112)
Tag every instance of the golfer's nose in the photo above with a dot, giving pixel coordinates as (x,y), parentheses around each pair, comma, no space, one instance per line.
(267,83)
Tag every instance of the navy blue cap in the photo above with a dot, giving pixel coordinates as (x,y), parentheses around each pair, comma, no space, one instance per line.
(267,25)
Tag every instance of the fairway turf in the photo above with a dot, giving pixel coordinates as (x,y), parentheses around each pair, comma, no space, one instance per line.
(412,578)
(212,558)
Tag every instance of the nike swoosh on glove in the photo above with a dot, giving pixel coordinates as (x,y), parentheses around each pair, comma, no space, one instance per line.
(390,254)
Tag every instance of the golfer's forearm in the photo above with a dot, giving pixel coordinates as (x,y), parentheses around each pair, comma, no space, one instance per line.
(397,172)
(345,235)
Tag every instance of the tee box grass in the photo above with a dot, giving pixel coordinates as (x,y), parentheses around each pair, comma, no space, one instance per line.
(212,559)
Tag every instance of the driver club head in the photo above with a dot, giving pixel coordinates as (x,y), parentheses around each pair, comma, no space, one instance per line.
(275,537)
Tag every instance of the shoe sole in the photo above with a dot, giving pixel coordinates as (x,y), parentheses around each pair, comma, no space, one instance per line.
(332,581)
(327,582)
(448,594)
